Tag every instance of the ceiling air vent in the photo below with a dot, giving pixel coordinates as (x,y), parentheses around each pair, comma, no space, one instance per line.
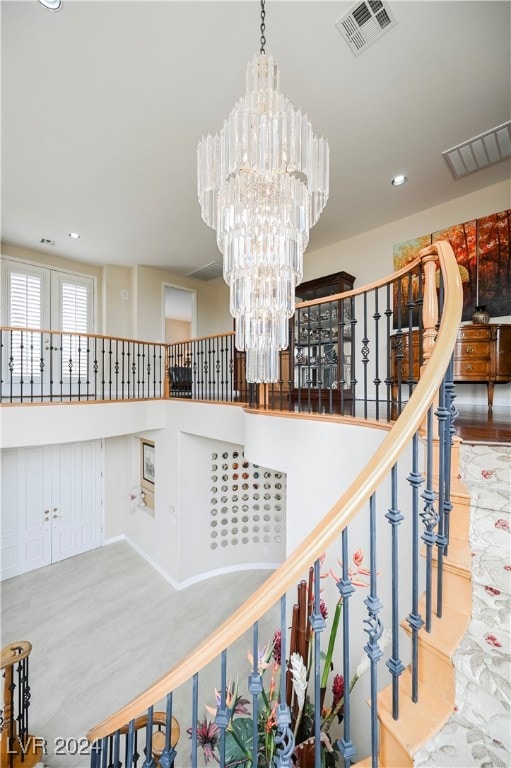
(207,272)
(486,149)
(47,241)
(365,23)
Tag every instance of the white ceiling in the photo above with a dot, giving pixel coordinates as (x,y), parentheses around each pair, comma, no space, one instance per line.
(103,104)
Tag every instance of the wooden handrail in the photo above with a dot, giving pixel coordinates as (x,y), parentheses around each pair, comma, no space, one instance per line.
(14,652)
(23,329)
(340,515)
(365,288)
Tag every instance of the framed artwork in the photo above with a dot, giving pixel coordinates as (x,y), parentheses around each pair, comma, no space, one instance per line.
(147,474)
(482,250)
(148,462)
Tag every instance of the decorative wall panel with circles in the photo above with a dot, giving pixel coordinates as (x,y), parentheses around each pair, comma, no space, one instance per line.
(254,517)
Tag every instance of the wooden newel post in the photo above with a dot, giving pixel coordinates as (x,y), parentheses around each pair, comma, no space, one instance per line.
(430,304)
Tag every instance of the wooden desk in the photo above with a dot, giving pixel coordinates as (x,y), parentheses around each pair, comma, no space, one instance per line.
(482,355)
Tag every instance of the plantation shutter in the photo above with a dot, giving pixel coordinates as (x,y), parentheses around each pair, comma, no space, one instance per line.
(74,320)
(25,300)
(23,307)
(75,307)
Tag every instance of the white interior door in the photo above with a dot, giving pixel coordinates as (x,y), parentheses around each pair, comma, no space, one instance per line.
(26,499)
(76,499)
(51,504)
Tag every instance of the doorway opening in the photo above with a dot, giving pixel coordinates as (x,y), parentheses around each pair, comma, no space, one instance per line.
(180,314)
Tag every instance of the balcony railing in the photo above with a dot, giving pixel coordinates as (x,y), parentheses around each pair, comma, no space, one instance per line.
(55,366)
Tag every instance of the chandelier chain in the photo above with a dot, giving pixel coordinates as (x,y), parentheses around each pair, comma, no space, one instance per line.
(263,27)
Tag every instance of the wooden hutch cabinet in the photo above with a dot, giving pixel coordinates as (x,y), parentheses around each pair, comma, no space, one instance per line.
(321,340)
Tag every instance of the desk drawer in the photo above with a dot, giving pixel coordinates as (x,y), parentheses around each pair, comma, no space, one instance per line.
(468,333)
(470,349)
(471,369)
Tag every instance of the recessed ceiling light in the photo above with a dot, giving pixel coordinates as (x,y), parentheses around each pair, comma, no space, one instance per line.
(52,5)
(398,180)
(74,235)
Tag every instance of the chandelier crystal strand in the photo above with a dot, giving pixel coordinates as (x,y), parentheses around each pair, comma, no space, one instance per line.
(262,184)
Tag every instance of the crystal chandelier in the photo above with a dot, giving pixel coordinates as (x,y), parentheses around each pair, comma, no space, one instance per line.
(262,183)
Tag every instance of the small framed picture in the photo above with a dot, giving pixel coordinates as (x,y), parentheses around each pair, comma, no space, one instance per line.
(148,462)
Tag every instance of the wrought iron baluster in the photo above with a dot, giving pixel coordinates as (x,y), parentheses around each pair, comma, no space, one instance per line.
(116,749)
(374,630)
(88,367)
(123,361)
(449,433)
(168,755)
(149,761)
(284,738)
(104,752)
(130,744)
(399,347)
(147,369)
(138,370)
(154,370)
(388,378)
(195,708)
(429,517)
(255,686)
(365,353)
(222,712)
(41,366)
(110,381)
(395,664)
(51,366)
(78,339)
(414,618)
(2,333)
(143,371)
(410,306)
(95,754)
(318,624)
(116,369)
(353,360)
(22,347)
(377,380)
(441,539)
(103,369)
(346,589)
(11,366)
(31,366)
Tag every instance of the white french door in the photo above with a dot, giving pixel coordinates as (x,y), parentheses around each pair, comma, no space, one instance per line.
(41,298)
(51,504)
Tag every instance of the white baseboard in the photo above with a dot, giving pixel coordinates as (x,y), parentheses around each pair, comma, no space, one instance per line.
(178,585)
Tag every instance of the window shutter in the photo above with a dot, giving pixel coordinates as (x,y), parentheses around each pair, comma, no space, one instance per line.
(75,308)
(75,312)
(25,300)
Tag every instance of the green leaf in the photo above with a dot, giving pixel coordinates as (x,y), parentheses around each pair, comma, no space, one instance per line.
(238,742)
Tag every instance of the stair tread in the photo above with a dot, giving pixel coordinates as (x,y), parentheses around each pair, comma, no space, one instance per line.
(412,730)
(458,559)
(446,632)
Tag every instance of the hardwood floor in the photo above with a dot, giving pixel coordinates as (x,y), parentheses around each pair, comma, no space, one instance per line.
(476,424)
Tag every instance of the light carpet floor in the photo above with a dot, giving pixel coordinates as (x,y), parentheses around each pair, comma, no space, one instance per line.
(478,735)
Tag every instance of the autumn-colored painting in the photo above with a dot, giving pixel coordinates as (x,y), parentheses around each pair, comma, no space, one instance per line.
(482,250)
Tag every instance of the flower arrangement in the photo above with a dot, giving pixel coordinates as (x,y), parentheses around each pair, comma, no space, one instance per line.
(240,728)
